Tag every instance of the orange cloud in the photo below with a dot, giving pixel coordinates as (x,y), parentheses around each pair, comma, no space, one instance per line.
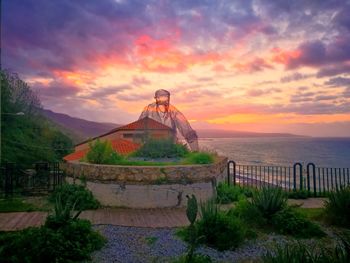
(283,56)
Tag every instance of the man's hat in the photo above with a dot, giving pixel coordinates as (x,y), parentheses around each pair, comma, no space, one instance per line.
(162,92)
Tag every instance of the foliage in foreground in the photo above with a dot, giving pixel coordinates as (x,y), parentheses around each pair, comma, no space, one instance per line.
(228,193)
(296,252)
(101,152)
(73,242)
(268,209)
(298,194)
(217,229)
(269,200)
(74,192)
(337,208)
(30,137)
(291,222)
(197,258)
(16,205)
(199,158)
(161,148)
(63,238)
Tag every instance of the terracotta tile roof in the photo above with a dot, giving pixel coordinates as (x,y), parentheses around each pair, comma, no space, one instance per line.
(142,124)
(76,156)
(121,146)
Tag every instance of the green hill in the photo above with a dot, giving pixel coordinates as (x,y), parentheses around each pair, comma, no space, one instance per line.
(27,136)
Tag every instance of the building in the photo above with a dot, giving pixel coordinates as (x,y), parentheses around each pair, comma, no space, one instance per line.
(126,139)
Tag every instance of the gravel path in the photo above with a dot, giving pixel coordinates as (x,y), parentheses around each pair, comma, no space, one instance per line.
(135,244)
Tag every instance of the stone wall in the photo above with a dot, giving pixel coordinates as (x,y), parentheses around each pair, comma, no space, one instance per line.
(148,186)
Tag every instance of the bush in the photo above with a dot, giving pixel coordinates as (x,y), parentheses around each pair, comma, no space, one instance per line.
(269,200)
(73,242)
(292,253)
(200,158)
(102,153)
(298,194)
(63,238)
(73,192)
(248,213)
(337,208)
(219,230)
(161,148)
(227,194)
(291,222)
(197,258)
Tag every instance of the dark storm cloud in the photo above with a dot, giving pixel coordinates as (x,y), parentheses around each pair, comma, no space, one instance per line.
(333,70)
(55,89)
(104,92)
(295,77)
(338,82)
(63,35)
(261,92)
(309,108)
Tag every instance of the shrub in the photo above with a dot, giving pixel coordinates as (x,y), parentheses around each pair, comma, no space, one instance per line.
(295,252)
(63,214)
(63,238)
(292,253)
(337,208)
(219,230)
(73,242)
(298,194)
(227,194)
(197,258)
(248,213)
(200,158)
(161,148)
(291,222)
(101,152)
(73,192)
(269,200)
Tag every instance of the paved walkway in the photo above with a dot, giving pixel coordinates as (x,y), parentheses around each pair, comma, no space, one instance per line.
(114,216)
(167,217)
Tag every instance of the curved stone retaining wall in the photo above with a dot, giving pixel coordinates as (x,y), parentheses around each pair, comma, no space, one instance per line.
(147,186)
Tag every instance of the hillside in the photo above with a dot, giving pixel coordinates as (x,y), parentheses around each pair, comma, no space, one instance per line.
(27,137)
(79,129)
(76,128)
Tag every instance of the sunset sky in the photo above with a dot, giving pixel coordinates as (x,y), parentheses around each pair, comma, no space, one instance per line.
(262,66)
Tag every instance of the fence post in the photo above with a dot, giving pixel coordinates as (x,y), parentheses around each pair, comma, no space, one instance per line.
(295,175)
(229,173)
(9,173)
(313,177)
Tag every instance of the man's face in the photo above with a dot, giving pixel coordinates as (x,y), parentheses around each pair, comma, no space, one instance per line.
(163,100)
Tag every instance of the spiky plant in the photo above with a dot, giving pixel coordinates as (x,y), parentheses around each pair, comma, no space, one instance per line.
(338,207)
(191,212)
(269,200)
(63,214)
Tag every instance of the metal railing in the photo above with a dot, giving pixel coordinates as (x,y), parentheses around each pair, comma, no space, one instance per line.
(316,180)
(41,178)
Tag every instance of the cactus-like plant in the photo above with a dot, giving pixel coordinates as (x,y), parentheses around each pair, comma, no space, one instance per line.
(191,212)
(192,208)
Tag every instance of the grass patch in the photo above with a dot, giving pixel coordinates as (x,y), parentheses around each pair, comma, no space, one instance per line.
(312,213)
(228,193)
(337,207)
(151,240)
(73,192)
(291,222)
(199,158)
(19,205)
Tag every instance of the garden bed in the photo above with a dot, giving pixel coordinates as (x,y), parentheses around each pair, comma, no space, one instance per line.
(147,186)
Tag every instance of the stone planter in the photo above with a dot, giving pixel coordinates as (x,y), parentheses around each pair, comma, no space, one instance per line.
(147,186)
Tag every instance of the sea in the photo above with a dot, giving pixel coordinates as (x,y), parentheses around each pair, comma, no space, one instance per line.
(282,151)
